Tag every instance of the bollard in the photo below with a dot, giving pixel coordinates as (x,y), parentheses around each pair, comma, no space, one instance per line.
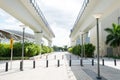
(54,56)
(115,62)
(58,63)
(6,68)
(70,62)
(103,62)
(34,64)
(62,56)
(81,62)
(21,65)
(46,63)
(92,62)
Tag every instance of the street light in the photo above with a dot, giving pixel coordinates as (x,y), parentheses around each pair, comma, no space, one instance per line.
(82,51)
(97,17)
(82,48)
(22,59)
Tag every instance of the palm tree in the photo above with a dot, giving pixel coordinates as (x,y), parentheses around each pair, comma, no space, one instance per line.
(113,37)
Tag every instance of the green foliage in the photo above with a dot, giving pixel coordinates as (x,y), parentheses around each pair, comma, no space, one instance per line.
(70,49)
(65,48)
(56,48)
(17,49)
(76,50)
(4,50)
(30,49)
(113,37)
(46,49)
(89,50)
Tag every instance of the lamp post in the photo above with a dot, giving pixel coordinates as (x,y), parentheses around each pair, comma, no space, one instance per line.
(82,46)
(22,59)
(97,17)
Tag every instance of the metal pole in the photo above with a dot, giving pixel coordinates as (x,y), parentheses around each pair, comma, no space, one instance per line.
(23,47)
(82,51)
(11,58)
(98,64)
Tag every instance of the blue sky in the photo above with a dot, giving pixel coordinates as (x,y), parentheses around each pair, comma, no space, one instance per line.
(60,14)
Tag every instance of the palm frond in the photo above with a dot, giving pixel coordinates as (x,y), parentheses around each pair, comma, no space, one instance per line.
(109,30)
(113,38)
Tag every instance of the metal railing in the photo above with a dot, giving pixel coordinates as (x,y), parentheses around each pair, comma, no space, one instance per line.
(84,5)
(38,10)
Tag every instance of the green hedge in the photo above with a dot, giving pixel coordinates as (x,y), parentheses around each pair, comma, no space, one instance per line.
(4,50)
(46,49)
(89,50)
(30,49)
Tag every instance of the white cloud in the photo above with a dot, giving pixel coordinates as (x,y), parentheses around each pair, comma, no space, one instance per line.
(62,37)
(61,15)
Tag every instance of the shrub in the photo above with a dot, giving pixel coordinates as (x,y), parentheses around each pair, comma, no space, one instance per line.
(17,49)
(89,50)
(76,50)
(70,49)
(4,50)
(31,49)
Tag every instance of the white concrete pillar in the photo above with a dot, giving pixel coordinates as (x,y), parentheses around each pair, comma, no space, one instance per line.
(38,37)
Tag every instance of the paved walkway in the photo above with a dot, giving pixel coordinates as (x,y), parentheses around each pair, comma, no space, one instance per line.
(64,72)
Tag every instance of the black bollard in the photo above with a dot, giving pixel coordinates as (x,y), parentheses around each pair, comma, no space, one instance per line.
(115,62)
(92,62)
(58,63)
(81,62)
(46,63)
(6,68)
(103,62)
(21,65)
(70,62)
(34,64)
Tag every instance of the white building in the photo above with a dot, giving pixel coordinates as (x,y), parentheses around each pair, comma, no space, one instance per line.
(86,23)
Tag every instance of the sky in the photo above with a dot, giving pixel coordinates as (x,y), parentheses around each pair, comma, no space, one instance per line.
(60,15)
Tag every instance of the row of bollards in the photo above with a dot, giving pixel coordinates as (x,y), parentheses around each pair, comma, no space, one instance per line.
(81,62)
(58,64)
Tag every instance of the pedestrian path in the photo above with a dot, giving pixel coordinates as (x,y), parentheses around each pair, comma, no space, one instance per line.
(62,72)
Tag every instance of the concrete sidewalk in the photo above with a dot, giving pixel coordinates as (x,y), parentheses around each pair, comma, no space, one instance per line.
(64,72)
(50,73)
(40,72)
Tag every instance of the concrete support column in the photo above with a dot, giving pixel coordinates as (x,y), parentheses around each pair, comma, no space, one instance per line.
(38,37)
